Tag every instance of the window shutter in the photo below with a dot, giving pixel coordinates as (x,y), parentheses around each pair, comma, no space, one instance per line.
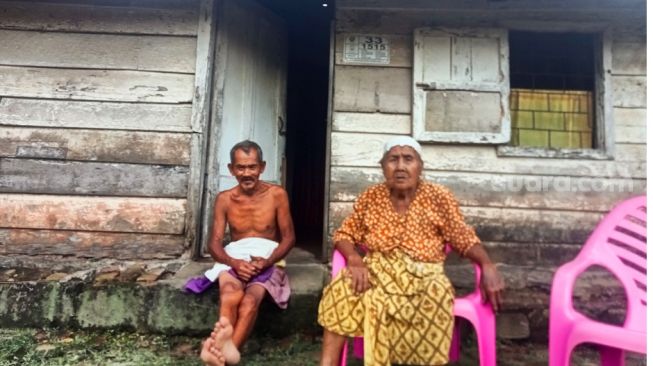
(461,86)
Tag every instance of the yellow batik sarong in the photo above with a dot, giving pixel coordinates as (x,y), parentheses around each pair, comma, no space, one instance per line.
(406,317)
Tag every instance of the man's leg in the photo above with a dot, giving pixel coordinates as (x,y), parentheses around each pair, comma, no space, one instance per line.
(247,313)
(331,348)
(231,293)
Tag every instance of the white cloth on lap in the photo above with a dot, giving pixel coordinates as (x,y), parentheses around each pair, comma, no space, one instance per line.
(243,249)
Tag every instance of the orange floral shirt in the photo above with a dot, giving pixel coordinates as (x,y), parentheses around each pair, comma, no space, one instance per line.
(432,219)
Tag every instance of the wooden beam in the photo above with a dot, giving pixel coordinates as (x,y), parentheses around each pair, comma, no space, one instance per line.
(200,121)
(365,150)
(629,91)
(525,254)
(510,225)
(95,145)
(101,85)
(101,115)
(630,152)
(372,122)
(89,244)
(604,94)
(98,51)
(387,21)
(90,178)
(630,135)
(113,214)
(629,117)
(89,18)
(504,190)
(505,5)
(327,161)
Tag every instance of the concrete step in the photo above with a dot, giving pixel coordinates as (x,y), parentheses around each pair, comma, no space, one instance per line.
(147,297)
(159,306)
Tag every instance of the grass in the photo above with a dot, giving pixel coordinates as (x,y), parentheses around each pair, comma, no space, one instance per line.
(49,347)
(54,348)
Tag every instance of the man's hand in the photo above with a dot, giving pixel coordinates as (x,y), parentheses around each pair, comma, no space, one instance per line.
(357,270)
(492,286)
(260,263)
(245,270)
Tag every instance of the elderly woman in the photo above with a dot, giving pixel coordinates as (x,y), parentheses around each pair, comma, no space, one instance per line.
(397,297)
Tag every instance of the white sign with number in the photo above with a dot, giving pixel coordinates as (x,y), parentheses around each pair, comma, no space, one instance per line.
(366,49)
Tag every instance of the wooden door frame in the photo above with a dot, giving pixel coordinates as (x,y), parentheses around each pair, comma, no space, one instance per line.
(201,117)
(327,156)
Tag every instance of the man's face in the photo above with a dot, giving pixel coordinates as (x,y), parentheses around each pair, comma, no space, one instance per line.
(246,168)
(402,167)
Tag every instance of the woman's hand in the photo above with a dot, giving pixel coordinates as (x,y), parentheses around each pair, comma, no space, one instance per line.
(357,270)
(492,286)
(491,280)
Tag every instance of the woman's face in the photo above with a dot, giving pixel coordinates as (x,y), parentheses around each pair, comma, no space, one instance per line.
(402,167)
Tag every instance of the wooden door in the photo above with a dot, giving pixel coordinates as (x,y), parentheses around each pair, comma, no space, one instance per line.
(249,97)
(254,85)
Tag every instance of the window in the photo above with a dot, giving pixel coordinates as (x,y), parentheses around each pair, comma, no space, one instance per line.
(461,86)
(552,90)
(542,94)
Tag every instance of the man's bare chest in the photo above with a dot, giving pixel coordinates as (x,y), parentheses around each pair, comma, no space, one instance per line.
(252,215)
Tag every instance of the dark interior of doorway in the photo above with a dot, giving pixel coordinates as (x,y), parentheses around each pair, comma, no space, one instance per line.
(308,23)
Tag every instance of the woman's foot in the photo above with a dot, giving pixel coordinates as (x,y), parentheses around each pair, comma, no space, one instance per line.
(210,355)
(222,340)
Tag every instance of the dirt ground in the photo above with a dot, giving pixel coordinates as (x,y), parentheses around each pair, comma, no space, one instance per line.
(91,348)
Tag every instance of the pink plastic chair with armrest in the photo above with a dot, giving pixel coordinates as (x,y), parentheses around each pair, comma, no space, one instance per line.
(470,307)
(619,245)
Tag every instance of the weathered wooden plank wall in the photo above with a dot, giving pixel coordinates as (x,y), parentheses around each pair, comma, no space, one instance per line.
(95,115)
(119,52)
(95,127)
(514,202)
(95,244)
(141,147)
(122,17)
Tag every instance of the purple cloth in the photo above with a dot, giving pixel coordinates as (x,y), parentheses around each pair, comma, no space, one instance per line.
(273,279)
(198,284)
(277,286)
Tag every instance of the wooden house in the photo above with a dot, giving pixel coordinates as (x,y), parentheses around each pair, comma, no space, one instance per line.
(117,116)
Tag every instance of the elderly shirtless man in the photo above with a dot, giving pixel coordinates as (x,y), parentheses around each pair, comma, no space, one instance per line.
(262,231)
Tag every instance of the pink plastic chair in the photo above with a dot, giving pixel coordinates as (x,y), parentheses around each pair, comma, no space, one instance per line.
(470,307)
(618,244)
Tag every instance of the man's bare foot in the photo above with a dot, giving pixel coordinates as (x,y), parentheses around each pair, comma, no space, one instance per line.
(210,355)
(222,340)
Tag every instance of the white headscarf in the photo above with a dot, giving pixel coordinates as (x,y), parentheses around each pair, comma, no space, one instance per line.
(402,141)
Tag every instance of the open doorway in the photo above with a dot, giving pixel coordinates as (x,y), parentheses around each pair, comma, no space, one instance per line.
(308,26)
